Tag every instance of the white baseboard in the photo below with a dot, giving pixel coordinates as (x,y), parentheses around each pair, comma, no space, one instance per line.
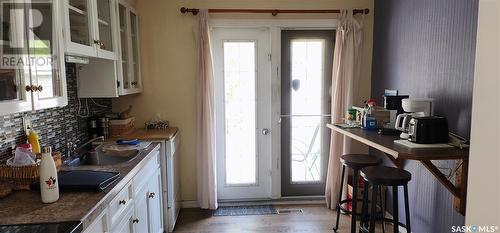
(189,204)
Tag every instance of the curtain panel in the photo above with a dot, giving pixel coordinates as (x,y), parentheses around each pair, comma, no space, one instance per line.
(206,182)
(345,81)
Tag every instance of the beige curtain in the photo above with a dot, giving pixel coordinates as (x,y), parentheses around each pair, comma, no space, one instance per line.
(207,182)
(346,72)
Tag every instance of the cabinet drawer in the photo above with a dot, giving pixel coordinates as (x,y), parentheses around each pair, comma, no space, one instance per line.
(120,203)
(125,223)
(146,172)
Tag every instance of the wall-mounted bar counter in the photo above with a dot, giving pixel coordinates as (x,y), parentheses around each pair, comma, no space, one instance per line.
(397,154)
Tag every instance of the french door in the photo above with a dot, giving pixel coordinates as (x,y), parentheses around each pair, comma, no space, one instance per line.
(243,112)
(306,71)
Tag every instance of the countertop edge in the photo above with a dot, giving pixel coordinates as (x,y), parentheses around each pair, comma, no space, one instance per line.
(102,204)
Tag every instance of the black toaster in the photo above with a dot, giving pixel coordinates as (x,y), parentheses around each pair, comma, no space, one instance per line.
(428,130)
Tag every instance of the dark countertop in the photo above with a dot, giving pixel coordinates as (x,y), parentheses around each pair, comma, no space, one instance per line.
(64,227)
(25,207)
(386,144)
(149,134)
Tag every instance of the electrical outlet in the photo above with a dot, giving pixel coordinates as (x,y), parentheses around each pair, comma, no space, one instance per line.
(27,124)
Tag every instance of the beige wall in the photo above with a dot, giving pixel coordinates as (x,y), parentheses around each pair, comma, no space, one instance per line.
(169,65)
(483,202)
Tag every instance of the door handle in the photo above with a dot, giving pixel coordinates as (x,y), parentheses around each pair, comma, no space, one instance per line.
(266,131)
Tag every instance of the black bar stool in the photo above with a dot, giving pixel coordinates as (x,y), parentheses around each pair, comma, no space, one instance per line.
(385,176)
(356,162)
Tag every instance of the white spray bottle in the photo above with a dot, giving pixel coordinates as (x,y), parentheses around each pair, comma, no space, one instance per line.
(49,183)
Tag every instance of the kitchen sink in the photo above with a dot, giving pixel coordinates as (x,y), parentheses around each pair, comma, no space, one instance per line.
(98,157)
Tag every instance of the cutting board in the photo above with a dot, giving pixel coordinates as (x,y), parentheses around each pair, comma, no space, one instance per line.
(412,145)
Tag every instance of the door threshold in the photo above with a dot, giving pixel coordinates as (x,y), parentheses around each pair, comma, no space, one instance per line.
(307,200)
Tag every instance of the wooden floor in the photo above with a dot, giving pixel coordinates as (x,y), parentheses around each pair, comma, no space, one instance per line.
(315,218)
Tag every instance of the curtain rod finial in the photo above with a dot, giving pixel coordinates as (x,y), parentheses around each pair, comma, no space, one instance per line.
(185,10)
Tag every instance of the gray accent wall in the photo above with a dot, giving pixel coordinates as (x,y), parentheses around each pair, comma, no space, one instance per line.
(426,48)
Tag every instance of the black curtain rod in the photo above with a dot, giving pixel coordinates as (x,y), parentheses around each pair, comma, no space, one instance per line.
(274,12)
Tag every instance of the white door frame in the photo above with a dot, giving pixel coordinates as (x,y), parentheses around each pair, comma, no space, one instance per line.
(276,26)
(261,37)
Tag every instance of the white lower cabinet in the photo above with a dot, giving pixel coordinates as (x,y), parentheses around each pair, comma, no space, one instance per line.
(155,204)
(140,220)
(137,208)
(100,223)
(125,225)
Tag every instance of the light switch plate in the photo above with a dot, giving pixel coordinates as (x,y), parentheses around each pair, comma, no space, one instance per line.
(26,124)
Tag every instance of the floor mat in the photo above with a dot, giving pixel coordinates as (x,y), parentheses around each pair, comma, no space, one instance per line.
(244,210)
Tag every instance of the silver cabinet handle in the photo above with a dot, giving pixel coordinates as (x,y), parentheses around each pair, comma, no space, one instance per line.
(266,131)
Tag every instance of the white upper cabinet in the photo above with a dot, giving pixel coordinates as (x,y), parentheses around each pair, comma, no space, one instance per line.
(129,71)
(103,77)
(90,28)
(30,40)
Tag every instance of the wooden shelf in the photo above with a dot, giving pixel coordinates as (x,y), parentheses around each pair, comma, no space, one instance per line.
(398,154)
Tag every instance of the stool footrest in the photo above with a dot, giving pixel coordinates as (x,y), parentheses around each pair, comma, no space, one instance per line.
(346,211)
(386,220)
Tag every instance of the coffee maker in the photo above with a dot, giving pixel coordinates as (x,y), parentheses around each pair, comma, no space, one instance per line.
(413,108)
(394,105)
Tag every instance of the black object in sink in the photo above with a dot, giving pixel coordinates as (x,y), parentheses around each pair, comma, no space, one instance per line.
(84,180)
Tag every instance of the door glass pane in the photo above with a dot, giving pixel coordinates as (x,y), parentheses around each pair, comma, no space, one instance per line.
(240,113)
(79,21)
(104,22)
(42,50)
(13,46)
(135,61)
(306,108)
(122,11)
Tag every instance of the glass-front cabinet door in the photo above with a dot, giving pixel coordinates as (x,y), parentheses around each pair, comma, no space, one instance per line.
(32,72)
(105,20)
(90,26)
(124,32)
(79,33)
(46,60)
(129,66)
(14,71)
(134,61)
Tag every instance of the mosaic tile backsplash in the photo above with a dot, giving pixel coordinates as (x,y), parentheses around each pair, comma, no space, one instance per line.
(56,126)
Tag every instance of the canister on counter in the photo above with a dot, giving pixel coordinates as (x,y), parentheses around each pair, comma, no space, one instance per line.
(351,117)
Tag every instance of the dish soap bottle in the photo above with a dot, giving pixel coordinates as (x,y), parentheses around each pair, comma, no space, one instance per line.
(49,186)
(33,139)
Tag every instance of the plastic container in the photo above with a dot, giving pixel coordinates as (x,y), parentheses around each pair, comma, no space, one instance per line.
(34,140)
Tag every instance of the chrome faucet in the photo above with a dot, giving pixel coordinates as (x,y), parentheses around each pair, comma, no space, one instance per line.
(72,148)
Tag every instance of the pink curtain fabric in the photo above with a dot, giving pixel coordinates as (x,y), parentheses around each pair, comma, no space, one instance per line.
(207,182)
(346,72)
